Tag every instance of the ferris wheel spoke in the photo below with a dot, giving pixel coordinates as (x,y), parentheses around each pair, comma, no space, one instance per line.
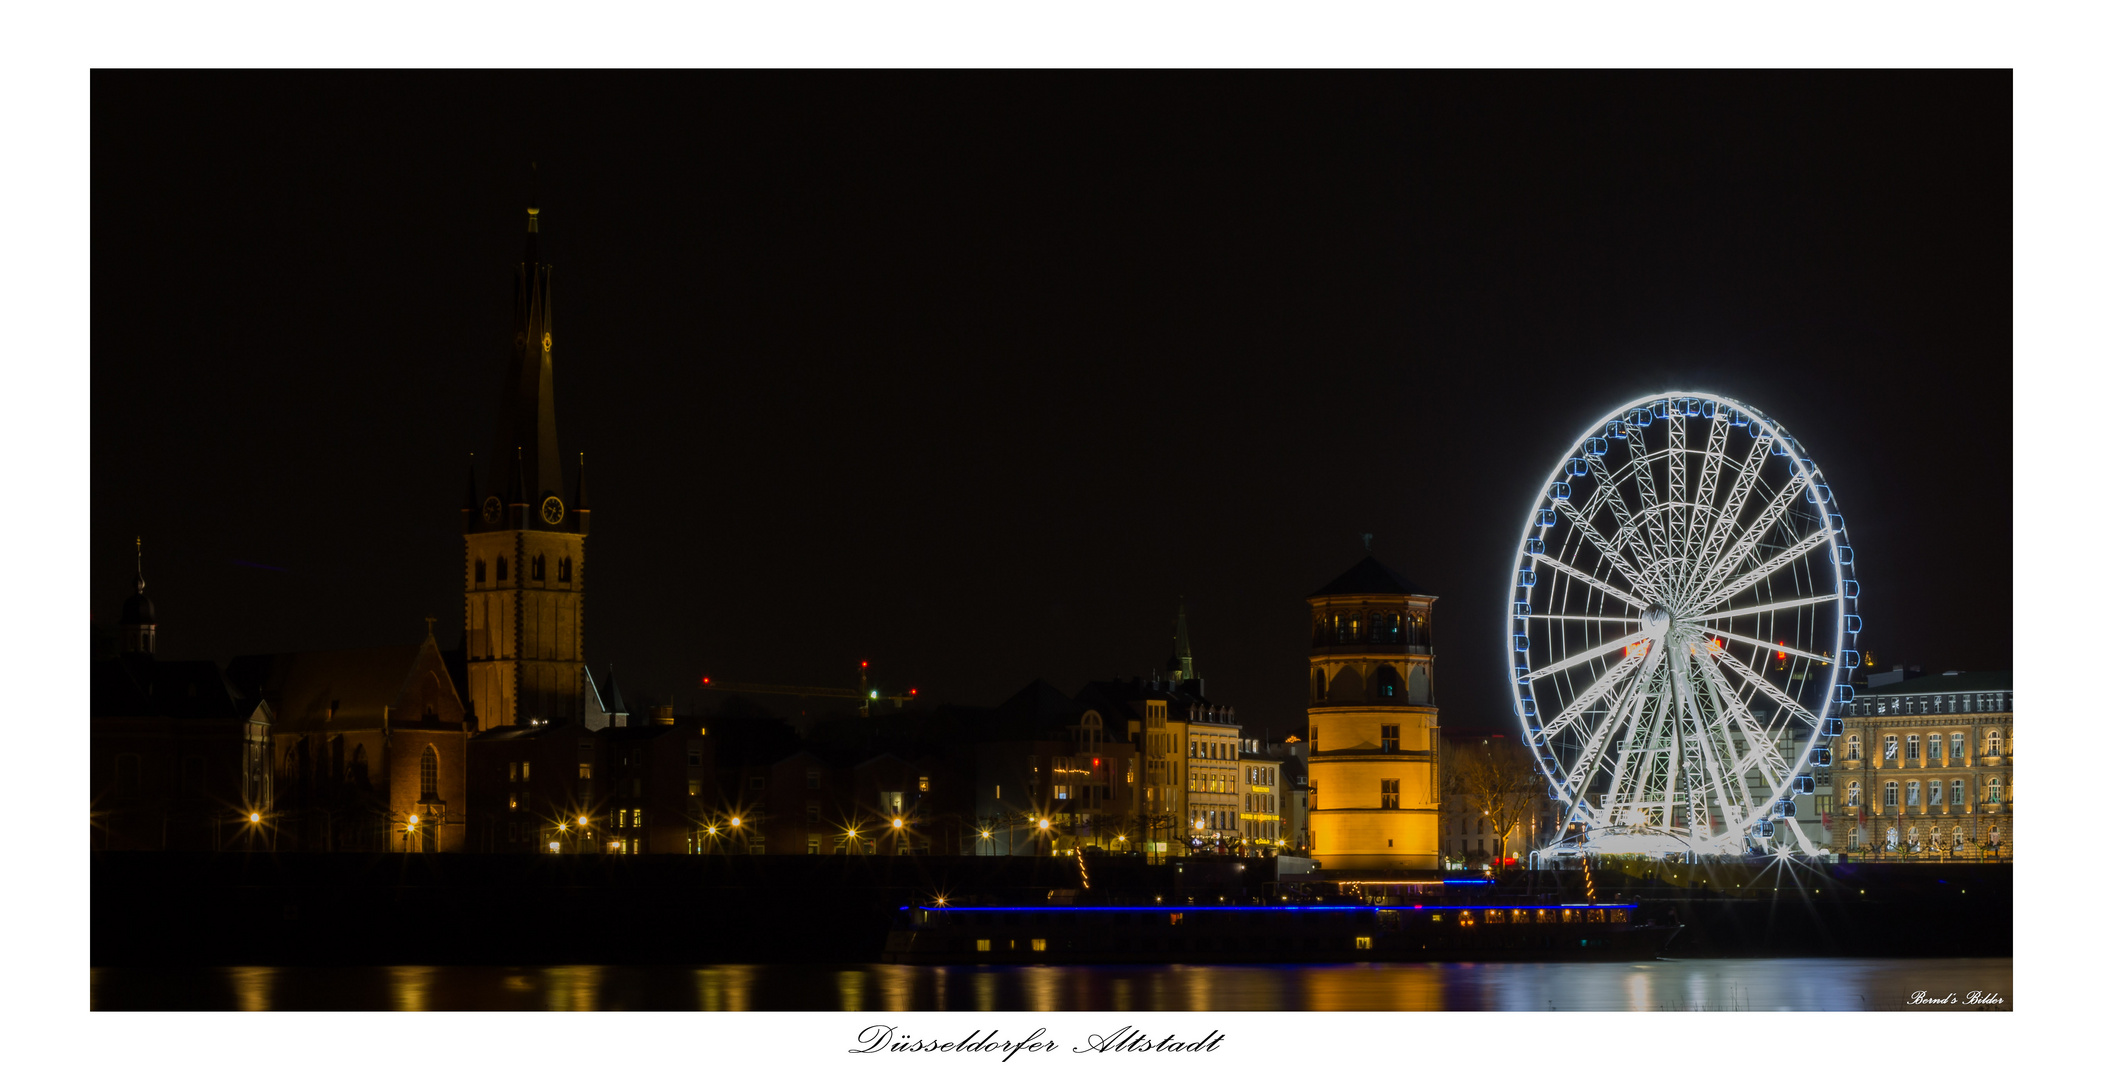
(1751,537)
(1756,609)
(1676,516)
(1705,492)
(1612,554)
(1626,537)
(1704,673)
(1759,683)
(1626,712)
(1734,504)
(1624,596)
(1760,573)
(1647,487)
(1605,685)
(1760,749)
(1589,655)
(1552,617)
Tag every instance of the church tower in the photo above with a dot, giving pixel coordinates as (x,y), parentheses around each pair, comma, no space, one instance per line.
(1372,726)
(525,533)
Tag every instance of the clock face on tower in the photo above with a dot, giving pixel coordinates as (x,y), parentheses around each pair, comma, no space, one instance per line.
(492,509)
(551,510)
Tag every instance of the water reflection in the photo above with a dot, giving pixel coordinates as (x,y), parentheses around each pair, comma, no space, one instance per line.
(251,986)
(411,988)
(1764,985)
(573,989)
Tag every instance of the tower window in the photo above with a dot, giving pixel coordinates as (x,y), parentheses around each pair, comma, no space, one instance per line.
(1390,738)
(1386,682)
(562,570)
(503,568)
(1321,685)
(481,571)
(540,568)
(429,771)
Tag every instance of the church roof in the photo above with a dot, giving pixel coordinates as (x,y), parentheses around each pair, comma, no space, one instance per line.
(341,688)
(1370,576)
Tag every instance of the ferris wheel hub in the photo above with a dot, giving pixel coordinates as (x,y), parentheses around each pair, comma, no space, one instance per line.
(1655,620)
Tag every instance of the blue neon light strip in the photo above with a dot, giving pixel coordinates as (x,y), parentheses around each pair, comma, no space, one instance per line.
(1298,907)
(1467,881)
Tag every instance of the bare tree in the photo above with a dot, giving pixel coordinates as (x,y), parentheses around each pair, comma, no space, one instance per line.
(1500,780)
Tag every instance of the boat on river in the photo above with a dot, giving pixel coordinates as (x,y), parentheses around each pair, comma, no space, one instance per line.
(1273,933)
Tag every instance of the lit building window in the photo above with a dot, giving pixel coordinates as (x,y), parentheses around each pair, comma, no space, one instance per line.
(1391,794)
(1912,748)
(1891,793)
(1912,793)
(1993,746)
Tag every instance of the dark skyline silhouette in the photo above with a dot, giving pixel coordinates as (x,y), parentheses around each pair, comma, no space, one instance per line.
(975,376)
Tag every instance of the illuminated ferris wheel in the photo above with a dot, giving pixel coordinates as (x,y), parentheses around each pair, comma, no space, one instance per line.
(1683,618)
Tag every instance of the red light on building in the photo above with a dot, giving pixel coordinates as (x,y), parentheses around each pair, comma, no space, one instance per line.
(865,663)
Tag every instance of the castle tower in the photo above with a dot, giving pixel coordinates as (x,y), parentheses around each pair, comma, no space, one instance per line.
(524,570)
(1373,790)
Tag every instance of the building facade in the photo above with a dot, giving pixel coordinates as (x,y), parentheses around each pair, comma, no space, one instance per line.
(1925,768)
(524,531)
(368,747)
(178,759)
(1372,722)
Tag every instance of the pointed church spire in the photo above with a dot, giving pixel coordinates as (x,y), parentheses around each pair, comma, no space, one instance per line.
(1181,667)
(526,404)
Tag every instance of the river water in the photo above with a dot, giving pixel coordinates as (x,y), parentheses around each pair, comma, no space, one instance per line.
(1736,985)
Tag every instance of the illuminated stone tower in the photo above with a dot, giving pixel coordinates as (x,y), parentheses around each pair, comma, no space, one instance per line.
(1372,723)
(524,571)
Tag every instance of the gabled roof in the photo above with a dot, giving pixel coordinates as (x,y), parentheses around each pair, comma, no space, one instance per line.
(341,688)
(1370,576)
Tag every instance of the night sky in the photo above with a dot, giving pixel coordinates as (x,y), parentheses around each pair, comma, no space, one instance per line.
(974,376)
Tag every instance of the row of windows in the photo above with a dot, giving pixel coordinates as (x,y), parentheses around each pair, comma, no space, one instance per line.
(1913,790)
(1218,780)
(1217,820)
(1934,744)
(538,569)
(1387,683)
(1377,628)
(1927,704)
(1934,840)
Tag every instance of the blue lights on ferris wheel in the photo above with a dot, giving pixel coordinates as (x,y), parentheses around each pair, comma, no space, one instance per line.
(1805,785)
(1852,624)
(1536,546)
(1519,643)
(1832,729)
(1785,808)
(1708,410)
(1559,491)
(1521,610)
(1844,555)
(1641,418)
(1617,429)
(1763,828)
(1821,756)
(1843,693)
(1837,521)
(1850,588)
(1526,579)
(1595,447)
(1577,466)
(1546,518)
(1849,658)
(1738,419)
